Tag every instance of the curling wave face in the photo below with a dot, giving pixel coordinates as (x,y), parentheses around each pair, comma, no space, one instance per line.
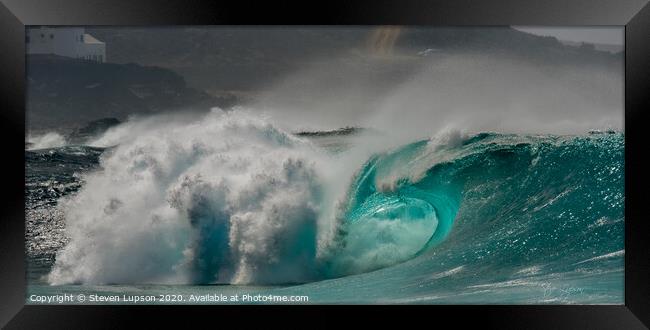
(231,199)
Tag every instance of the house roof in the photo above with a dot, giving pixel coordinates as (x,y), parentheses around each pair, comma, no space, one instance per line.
(88,39)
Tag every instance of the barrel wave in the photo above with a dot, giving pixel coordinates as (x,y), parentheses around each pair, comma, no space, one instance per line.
(513,219)
(485,217)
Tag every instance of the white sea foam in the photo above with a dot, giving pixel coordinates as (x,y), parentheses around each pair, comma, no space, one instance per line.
(228,198)
(47,140)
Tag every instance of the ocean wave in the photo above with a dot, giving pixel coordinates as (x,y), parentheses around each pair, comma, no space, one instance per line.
(232,199)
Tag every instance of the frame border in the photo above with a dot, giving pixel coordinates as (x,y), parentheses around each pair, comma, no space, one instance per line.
(634,14)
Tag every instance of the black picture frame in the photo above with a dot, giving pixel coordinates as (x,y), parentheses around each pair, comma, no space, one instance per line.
(633,14)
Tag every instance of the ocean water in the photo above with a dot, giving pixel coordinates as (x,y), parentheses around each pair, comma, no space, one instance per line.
(233,206)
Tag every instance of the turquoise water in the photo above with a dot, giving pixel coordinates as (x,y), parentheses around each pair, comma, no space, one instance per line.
(496,218)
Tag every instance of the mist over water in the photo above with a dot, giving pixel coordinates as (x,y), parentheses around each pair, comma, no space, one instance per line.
(46,140)
(410,96)
(471,92)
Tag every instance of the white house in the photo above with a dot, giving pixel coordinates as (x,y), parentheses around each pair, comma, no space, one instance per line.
(65,41)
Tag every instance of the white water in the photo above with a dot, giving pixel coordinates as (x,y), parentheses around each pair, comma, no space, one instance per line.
(47,140)
(228,198)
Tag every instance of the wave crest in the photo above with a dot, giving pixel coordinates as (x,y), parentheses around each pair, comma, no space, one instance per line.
(228,199)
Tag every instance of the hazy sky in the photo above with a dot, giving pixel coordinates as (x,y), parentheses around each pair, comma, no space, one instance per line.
(612,35)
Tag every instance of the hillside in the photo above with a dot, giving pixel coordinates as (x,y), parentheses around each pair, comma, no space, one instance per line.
(252,58)
(67,93)
(195,68)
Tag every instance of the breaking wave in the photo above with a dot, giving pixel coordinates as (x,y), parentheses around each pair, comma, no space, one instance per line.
(44,141)
(232,199)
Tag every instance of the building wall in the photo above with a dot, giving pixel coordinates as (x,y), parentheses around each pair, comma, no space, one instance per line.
(93,52)
(69,42)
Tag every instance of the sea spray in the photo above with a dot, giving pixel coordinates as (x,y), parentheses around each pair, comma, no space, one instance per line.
(45,141)
(228,199)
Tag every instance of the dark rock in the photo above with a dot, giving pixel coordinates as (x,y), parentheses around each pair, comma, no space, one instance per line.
(66,93)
